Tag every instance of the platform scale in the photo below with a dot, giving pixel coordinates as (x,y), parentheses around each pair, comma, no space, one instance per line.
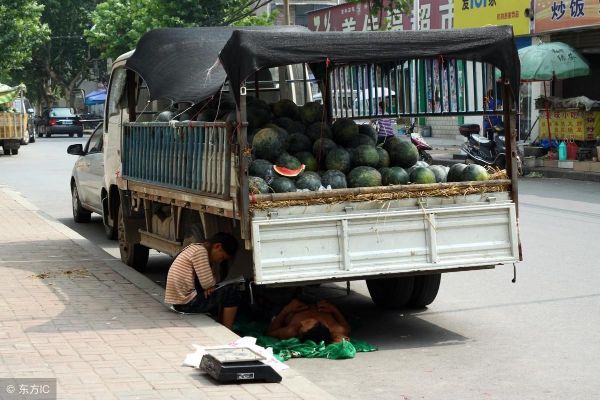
(237,365)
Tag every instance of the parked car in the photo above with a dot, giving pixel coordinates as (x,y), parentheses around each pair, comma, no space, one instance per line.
(87,181)
(59,120)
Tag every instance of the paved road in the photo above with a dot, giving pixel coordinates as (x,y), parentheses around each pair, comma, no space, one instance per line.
(483,338)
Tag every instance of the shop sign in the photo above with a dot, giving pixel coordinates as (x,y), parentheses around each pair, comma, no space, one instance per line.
(433,14)
(551,15)
(478,13)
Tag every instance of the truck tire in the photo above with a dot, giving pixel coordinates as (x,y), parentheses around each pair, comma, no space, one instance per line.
(391,293)
(134,255)
(79,213)
(6,150)
(425,290)
(14,151)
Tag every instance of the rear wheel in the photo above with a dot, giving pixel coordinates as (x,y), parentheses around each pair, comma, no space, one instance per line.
(79,213)
(80,134)
(14,151)
(425,290)
(133,254)
(71,135)
(6,151)
(391,293)
(48,134)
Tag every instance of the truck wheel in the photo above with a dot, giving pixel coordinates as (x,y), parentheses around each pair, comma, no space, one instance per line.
(391,293)
(48,134)
(134,255)
(79,213)
(6,150)
(425,291)
(14,151)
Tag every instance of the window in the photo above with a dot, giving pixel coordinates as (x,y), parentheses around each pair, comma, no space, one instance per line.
(61,112)
(94,144)
(116,91)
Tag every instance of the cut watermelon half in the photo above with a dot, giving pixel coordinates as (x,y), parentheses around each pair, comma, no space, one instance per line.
(283,171)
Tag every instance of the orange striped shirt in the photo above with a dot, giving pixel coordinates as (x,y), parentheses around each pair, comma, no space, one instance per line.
(180,280)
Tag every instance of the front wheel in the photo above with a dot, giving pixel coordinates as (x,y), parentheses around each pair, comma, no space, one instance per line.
(133,254)
(391,293)
(79,213)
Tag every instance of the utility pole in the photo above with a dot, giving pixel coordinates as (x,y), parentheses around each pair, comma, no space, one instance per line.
(286,11)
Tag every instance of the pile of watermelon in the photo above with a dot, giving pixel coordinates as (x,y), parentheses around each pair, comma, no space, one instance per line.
(294,150)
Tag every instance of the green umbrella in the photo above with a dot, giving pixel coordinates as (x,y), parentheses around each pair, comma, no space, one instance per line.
(546,61)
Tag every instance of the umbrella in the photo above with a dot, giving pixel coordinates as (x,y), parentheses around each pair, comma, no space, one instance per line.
(96,97)
(545,61)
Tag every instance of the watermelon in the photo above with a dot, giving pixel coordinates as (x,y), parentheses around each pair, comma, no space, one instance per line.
(298,142)
(268,144)
(422,175)
(321,147)
(308,160)
(288,161)
(455,172)
(365,155)
(284,122)
(286,108)
(261,169)
(317,130)
(344,130)
(338,159)
(394,176)
(361,139)
(257,117)
(257,103)
(165,116)
(282,185)
(402,152)
(440,173)
(208,115)
(364,177)
(368,130)
(474,172)
(384,158)
(311,112)
(257,185)
(308,180)
(334,179)
(287,172)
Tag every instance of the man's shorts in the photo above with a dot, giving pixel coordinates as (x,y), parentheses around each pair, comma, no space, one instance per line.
(227,296)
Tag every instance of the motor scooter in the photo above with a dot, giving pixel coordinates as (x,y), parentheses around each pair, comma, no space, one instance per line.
(490,150)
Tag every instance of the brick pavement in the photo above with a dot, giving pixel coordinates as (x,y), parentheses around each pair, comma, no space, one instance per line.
(69,311)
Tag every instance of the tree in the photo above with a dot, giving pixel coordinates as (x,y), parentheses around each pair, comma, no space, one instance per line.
(377,8)
(20,32)
(119,24)
(61,63)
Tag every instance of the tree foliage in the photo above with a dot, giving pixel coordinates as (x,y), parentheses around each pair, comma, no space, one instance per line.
(118,24)
(20,32)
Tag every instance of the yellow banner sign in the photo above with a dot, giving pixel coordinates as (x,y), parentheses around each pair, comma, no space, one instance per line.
(478,13)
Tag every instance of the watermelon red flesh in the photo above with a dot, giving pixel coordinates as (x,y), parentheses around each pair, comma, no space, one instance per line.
(283,171)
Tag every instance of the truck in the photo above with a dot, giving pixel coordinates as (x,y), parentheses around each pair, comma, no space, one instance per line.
(13,120)
(179,124)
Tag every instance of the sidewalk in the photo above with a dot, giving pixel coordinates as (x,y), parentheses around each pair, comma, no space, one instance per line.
(69,311)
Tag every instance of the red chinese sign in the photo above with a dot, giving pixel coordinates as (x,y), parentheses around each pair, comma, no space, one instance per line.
(433,14)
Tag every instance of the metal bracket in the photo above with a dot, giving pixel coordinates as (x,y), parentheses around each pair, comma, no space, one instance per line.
(273,214)
(348,209)
(491,199)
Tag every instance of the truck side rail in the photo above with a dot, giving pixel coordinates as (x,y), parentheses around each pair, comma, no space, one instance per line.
(191,156)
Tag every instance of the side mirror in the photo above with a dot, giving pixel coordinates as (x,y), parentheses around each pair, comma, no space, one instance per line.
(30,111)
(75,149)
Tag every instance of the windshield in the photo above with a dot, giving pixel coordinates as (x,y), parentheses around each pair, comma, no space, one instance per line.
(61,112)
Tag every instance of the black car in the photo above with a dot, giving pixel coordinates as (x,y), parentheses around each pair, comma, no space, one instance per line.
(59,121)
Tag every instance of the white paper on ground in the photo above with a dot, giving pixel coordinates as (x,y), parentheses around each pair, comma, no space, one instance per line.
(193,359)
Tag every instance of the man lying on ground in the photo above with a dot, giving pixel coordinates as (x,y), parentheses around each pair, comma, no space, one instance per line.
(316,322)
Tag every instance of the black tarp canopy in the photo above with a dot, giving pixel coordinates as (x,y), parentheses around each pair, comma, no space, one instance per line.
(191,64)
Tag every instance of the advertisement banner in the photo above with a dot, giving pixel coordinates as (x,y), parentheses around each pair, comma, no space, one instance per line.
(478,13)
(551,15)
(433,14)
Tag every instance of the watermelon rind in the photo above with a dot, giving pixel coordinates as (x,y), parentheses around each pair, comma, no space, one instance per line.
(308,160)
